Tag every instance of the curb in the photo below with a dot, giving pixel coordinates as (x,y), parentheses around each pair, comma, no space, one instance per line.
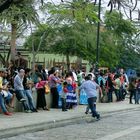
(6,133)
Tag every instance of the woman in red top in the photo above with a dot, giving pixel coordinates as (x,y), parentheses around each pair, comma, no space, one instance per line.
(41,100)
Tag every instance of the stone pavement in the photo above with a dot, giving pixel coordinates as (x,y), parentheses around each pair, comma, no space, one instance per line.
(30,122)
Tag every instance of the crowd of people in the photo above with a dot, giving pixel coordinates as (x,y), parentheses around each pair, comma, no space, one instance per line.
(68,89)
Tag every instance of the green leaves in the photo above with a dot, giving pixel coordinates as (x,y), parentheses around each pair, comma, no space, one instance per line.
(114,22)
(20,13)
(122,32)
(75,11)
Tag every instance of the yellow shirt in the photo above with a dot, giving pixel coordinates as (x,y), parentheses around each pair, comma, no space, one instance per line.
(1,80)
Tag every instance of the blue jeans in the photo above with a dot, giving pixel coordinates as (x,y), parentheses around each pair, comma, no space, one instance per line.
(8,98)
(92,106)
(137,97)
(20,94)
(29,96)
(2,104)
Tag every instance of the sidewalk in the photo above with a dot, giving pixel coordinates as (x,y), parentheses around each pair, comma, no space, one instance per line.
(31,122)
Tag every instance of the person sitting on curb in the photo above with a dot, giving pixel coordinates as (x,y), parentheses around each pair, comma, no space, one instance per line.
(27,83)
(90,88)
(19,89)
(8,92)
(2,103)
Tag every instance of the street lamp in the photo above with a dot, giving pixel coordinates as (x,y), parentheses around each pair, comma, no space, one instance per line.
(98,35)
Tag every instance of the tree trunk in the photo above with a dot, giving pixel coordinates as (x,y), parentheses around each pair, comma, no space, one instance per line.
(13,41)
(79,63)
(68,62)
(33,62)
(4,59)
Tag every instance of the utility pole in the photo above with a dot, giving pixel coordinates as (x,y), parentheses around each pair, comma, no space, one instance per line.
(98,35)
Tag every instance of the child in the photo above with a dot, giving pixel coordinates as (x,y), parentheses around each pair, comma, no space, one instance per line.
(71,95)
(63,96)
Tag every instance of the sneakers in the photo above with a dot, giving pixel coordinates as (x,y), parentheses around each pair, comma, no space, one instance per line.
(8,113)
(46,108)
(22,100)
(98,117)
(64,110)
(28,111)
(86,112)
(34,110)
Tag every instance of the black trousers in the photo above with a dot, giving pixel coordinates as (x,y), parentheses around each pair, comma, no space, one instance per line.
(55,97)
(63,104)
(132,94)
(41,101)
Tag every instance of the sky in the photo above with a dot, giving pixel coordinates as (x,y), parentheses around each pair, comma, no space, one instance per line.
(105,3)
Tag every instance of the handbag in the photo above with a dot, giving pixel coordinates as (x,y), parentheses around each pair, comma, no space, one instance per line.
(47,89)
(4,93)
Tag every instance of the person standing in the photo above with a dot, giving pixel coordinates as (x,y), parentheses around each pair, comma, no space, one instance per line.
(83,95)
(101,82)
(71,96)
(90,88)
(53,81)
(132,90)
(63,96)
(79,78)
(109,87)
(117,87)
(138,92)
(41,100)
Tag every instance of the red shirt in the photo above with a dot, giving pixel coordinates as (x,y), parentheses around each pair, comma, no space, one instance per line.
(40,84)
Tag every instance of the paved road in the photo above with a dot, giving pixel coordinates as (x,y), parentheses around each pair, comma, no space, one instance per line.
(117,126)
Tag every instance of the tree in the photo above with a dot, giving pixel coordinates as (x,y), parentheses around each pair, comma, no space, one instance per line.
(5,4)
(70,37)
(118,25)
(123,32)
(34,38)
(130,58)
(70,17)
(70,12)
(37,41)
(18,15)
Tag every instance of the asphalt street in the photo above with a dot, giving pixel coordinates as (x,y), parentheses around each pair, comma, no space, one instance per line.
(117,126)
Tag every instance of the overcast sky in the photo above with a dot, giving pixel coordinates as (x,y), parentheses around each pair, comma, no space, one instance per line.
(104,5)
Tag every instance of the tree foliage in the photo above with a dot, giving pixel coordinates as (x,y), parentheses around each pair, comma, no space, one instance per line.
(74,34)
(20,13)
(118,25)
(72,11)
(123,31)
